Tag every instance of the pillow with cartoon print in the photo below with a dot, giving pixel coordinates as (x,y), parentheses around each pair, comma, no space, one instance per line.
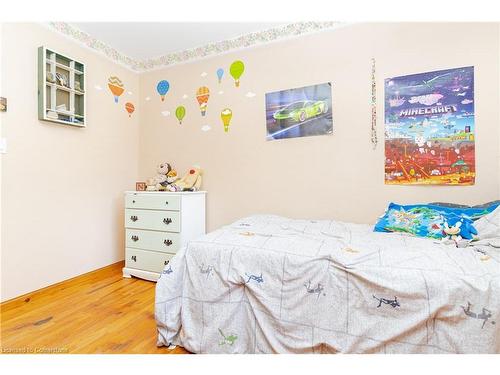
(425,220)
(474,212)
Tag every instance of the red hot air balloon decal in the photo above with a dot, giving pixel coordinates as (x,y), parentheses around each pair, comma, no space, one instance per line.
(130,108)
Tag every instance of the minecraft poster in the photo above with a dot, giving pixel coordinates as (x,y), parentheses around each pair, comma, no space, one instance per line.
(429,128)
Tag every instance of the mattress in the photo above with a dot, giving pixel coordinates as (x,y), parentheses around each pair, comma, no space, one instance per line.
(269,284)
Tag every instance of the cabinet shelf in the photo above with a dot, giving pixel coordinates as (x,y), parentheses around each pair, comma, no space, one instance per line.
(64,88)
(65,67)
(66,113)
(59,90)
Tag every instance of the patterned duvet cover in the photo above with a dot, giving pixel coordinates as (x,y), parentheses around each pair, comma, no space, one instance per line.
(268,284)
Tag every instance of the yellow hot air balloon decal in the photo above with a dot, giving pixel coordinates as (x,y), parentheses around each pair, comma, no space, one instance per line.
(236,69)
(226,115)
(202,95)
(116,87)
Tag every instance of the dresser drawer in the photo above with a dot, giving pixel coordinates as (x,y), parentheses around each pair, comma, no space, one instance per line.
(155,220)
(153,202)
(146,260)
(166,242)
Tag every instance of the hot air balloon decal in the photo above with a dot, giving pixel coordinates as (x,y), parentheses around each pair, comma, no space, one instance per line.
(237,68)
(162,88)
(202,95)
(226,115)
(180,112)
(116,87)
(130,108)
(220,73)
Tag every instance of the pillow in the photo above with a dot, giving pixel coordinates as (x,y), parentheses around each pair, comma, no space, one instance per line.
(451,205)
(477,213)
(489,204)
(426,220)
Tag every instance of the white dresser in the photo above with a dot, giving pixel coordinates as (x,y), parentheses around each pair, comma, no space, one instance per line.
(157,225)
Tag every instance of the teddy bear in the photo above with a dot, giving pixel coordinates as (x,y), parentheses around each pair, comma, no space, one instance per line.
(159,182)
(190,182)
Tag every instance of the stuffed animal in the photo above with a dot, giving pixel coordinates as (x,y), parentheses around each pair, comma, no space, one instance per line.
(190,182)
(451,230)
(467,230)
(457,228)
(159,182)
(171,178)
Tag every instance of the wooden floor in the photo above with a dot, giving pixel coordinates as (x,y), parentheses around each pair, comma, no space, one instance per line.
(99,312)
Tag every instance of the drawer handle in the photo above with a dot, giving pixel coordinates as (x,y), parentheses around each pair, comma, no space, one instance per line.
(167,262)
(134,258)
(133,201)
(167,242)
(133,218)
(135,238)
(167,221)
(166,202)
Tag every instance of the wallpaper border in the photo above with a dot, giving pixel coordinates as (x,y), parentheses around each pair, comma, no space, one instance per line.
(193,54)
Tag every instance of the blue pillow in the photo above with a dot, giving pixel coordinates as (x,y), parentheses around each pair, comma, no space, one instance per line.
(474,212)
(426,220)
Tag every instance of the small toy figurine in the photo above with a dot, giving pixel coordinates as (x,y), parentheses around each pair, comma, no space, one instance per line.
(50,77)
(151,184)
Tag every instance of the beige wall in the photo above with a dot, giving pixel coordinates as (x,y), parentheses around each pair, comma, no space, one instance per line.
(337,176)
(62,187)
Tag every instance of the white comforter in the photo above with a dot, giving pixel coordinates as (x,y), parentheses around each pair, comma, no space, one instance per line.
(269,284)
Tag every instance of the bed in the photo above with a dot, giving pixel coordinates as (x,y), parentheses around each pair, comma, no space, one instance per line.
(269,284)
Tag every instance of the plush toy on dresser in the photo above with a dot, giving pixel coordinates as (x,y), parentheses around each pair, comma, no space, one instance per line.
(190,182)
(160,181)
(171,179)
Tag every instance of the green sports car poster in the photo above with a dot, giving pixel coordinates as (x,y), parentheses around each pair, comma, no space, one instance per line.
(299,112)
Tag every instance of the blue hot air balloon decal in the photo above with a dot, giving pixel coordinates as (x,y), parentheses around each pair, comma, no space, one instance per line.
(162,88)
(220,73)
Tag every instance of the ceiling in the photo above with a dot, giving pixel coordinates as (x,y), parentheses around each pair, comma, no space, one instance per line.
(146,40)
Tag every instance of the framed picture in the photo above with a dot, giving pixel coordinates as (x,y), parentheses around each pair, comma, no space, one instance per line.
(299,112)
(140,186)
(3,104)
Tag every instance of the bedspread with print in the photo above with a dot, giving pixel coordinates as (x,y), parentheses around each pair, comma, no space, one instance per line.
(268,284)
